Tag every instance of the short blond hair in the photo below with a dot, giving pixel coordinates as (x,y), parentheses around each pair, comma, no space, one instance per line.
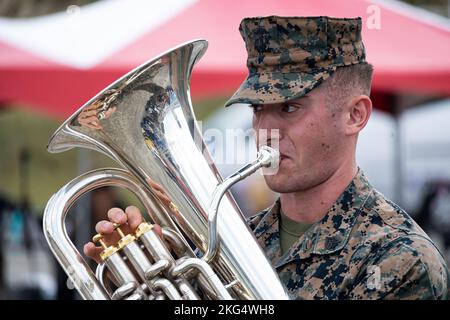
(348,81)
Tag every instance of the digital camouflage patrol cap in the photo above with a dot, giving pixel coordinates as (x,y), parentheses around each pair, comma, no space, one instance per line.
(290,56)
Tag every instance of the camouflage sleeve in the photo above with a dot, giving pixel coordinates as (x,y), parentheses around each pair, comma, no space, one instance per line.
(408,268)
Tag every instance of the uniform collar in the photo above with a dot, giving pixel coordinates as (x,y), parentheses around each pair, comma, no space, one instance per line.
(326,236)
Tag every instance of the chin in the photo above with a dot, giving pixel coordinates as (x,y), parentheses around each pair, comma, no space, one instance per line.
(288,182)
(279,184)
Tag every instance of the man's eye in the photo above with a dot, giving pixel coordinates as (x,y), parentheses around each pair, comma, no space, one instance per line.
(289,108)
(256,108)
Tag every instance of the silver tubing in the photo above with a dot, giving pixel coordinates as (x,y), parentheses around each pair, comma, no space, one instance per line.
(156,268)
(205,269)
(167,287)
(176,242)
(156,247)
(55,229)
(267,156)
(186,289)
(102,277)
(128,284)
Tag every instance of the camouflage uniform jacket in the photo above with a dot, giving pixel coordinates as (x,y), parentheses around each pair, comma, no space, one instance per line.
(365,247)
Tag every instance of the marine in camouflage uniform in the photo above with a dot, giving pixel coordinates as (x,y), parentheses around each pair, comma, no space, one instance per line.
(365,247)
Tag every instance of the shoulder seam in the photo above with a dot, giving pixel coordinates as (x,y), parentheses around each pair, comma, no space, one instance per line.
(430,283)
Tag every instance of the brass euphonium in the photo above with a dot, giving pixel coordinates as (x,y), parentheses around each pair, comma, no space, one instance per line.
(146,123)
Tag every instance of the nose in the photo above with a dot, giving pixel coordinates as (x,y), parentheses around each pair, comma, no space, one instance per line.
(267,127)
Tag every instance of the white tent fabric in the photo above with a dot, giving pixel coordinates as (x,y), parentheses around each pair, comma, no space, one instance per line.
(84,36)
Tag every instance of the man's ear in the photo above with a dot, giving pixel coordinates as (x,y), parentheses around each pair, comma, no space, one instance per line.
(359,112)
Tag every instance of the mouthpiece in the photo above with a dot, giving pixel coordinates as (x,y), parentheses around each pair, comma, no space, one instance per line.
(269,157)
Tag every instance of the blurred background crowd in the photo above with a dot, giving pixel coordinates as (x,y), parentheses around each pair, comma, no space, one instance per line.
(56,54)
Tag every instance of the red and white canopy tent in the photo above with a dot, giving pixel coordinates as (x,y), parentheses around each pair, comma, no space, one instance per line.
(57,62)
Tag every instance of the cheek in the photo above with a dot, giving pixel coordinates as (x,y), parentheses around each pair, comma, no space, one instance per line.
(315,140)
(330,138)
(298,142)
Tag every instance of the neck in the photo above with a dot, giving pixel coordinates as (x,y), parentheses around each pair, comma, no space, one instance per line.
(311,205)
